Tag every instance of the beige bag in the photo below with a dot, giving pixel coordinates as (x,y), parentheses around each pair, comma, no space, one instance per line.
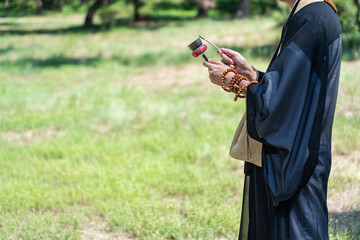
(244,147)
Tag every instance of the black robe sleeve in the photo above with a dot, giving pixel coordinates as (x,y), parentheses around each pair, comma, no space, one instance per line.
(280,114)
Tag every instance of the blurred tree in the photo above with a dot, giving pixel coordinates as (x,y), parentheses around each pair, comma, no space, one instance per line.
(99,3)
(38,6)
(91,12)
(47,4)
(237,8)
(276,4)
(137,5)
(243,9)
(203,7)
(43,4)
(264,6)
(348,12)
(357,4)
(62,5)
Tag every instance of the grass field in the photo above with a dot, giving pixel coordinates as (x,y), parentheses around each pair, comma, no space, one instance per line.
(119,134)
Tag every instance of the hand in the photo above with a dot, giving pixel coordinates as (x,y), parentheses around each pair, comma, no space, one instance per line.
(237,61)
(216,70)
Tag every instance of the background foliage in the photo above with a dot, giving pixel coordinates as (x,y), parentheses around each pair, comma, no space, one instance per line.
(115,12)
(348,9)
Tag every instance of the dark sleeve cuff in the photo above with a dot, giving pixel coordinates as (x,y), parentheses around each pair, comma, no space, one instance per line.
(251,111)
(261,75)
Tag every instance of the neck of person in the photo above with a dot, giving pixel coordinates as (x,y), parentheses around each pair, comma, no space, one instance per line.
(291,3)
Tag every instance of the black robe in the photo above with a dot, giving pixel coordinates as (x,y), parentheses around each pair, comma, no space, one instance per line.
(291,112)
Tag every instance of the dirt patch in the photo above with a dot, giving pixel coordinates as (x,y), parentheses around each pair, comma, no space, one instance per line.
(352,65)
(171,200)
(175,77)
(346,200)
(99,231)
(102,128)
(341,160)
(31,136)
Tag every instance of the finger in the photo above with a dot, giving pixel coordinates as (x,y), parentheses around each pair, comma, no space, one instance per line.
(224,62)
(227,64)
(230,52)
(226,59)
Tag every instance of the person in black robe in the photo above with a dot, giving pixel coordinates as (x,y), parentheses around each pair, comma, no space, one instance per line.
(291,112)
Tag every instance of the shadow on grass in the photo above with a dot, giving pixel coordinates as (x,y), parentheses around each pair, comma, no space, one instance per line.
(54,61)
(347,223)
(351,46)
(72,30)
(146,23)
(146,58)
(9,24)
(17,12)
(143,25)
(5,50)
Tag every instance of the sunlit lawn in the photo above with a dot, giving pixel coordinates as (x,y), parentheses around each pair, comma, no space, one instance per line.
(119,134)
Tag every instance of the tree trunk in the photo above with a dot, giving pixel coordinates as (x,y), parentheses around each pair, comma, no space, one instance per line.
(203,7)
(38,6)
(47,4)
(276,4)
(137,5)
(90,14)
(202,12)
(83,2)
(61,5)
(243,9)
(357,4)
(25,3)
(6,3)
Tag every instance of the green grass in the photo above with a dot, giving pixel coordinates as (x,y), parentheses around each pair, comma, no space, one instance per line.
(119,133)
